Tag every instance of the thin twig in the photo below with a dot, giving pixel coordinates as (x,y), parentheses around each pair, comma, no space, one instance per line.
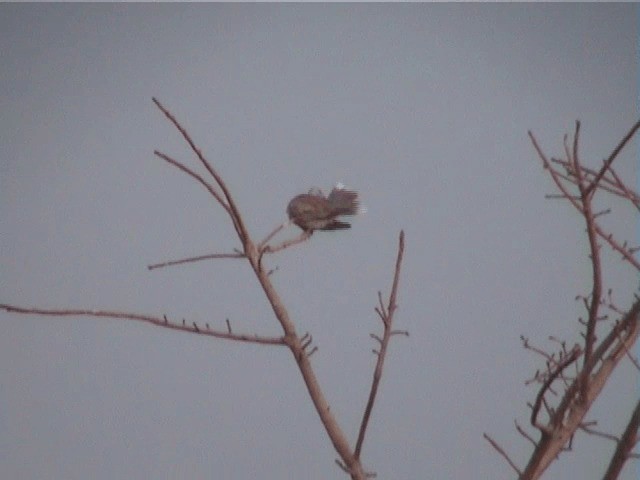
(630,194)
(195,175)
(575,353)
(502,452)
(304,236)
(522,432)
(612,157)
(272,234)
(612,185)
(196,259)
(597,433)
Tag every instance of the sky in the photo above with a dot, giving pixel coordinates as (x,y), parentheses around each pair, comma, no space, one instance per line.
(424,109)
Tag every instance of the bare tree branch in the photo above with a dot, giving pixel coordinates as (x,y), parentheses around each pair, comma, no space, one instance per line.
(522,432)
(587,212)
(592,431)
(181,166)
(613,185)
(502,452)
(262,247)
(266,239)
(625,446)
(612,157)
(303,237)
(575,353)
(600,356)
(574,201)
(233,211)
(182,261)
(157,321)
(387,321)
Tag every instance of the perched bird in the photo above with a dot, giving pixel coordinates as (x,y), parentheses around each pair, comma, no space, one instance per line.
(313,211)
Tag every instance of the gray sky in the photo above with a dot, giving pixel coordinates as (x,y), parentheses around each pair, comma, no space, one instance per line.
(422,108)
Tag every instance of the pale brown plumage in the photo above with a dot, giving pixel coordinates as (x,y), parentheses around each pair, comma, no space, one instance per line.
(313,211)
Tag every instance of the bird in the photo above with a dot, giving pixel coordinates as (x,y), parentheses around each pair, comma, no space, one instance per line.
(313,211)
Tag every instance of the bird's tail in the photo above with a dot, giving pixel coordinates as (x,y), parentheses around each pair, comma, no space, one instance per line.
(344,202)
(336,225)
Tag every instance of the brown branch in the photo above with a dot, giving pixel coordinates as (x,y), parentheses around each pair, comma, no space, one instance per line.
(234,213)
(627,192)
(237,254)
(527,346)
(628,256)
(596,265)
(555,175)
(304,236)
(291,338)
(592,431)
(569,414)
(612,157)
(271,235)
(625,446)
(522,432)
(630,356)
(628,326)
(387,321)
(210,256)
(157,321)
(600,358)
(572,357)
(572,199)
(295,344)
(196,176)
(612,185)
(502,452)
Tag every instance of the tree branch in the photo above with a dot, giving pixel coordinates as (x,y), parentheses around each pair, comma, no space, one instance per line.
(596,293)
(572,357)
(502,452)
(196,176)
(233,211)
(612,157)
(625,446)
(182,261)
(157,321)
(387,320)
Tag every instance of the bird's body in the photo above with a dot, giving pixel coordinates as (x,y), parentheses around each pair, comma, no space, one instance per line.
(313,211)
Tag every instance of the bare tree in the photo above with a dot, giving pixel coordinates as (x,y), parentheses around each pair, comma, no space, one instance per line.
(300,345)
(591,360)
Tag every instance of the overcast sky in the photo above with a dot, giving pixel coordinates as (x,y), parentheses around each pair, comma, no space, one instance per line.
(424,109)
